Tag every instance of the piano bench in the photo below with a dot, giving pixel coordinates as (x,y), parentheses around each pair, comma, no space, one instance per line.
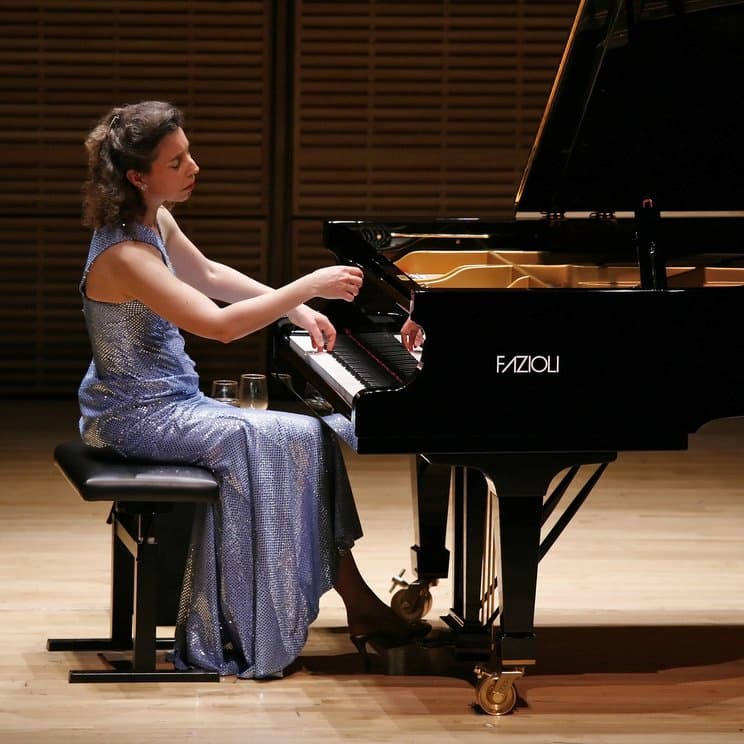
(151,514)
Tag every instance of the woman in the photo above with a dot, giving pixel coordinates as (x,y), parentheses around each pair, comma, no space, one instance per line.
(282,532)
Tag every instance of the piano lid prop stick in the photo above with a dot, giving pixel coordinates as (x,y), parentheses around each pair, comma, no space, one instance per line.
(650,259)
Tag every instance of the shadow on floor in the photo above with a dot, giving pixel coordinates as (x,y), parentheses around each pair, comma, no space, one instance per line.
(561,650)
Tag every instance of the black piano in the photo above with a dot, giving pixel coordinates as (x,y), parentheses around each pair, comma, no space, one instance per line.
(602,318)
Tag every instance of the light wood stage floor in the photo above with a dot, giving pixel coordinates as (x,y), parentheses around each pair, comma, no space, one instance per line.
(640,614)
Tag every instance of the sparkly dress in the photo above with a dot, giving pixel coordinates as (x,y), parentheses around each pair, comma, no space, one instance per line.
(261,558)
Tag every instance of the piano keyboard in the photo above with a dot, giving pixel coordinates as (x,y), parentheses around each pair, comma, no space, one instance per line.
(373,360)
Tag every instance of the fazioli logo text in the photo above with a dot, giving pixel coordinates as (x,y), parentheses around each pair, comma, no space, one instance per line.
(526,364)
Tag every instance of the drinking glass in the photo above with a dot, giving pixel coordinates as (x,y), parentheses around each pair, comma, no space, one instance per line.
(225,391)
(254,392)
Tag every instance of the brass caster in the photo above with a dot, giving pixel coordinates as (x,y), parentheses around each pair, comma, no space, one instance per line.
(495,693)
(412,603)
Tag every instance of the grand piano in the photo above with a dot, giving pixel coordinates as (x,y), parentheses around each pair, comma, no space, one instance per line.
(599,319)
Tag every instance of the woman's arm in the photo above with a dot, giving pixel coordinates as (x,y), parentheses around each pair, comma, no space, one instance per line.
(222,282)
(133,270)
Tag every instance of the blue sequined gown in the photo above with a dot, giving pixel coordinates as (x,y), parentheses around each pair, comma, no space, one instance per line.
(261,558)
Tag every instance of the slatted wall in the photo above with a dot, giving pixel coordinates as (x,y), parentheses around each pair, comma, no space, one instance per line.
(63,64)
(417,108)
(371,109)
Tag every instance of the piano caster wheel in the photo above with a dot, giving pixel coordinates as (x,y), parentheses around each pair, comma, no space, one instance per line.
(495,693)
(412,603)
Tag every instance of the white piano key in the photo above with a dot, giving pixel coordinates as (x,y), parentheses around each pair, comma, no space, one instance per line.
(334,373)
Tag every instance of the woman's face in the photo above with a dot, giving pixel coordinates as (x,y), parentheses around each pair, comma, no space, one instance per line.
(173,172)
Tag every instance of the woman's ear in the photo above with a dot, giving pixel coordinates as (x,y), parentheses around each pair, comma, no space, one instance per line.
(135,178)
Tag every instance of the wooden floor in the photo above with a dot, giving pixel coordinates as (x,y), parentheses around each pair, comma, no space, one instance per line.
(640,614)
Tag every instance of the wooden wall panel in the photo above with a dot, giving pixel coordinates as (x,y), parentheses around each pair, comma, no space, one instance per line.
(63,63)
(44,346)
(419,108)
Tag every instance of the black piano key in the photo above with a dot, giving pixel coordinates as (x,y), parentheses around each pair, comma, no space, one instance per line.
(390,352)
(377,359)
(352,356)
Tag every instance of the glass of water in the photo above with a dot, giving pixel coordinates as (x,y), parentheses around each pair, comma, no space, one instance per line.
(226,391)
(254,391)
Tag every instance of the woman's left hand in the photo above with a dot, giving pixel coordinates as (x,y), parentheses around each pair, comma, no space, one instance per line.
(321,330)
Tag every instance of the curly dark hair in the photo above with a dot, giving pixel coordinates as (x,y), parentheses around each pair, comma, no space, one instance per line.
(127,137)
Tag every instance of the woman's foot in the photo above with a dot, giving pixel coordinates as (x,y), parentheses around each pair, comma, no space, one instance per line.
(370,617)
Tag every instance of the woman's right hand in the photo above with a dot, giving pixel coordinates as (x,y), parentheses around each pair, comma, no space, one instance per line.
(336,282)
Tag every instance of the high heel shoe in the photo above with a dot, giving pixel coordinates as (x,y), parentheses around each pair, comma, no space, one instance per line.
(383,642)
(360,641)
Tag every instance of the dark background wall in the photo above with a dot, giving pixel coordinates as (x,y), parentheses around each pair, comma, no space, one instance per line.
(297,112)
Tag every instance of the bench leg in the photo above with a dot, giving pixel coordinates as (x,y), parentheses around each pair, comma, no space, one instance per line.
(133,593)
(122,583)
(145,598)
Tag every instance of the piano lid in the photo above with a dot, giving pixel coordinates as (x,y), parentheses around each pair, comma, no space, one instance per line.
(646,103)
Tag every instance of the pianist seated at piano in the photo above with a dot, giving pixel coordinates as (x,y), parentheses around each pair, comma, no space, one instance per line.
(282,532)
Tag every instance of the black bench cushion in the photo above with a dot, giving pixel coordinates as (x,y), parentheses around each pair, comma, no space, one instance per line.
(101,475)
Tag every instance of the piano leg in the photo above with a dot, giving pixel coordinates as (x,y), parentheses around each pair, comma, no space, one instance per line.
(505,543)
(519,521)
(429,556)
